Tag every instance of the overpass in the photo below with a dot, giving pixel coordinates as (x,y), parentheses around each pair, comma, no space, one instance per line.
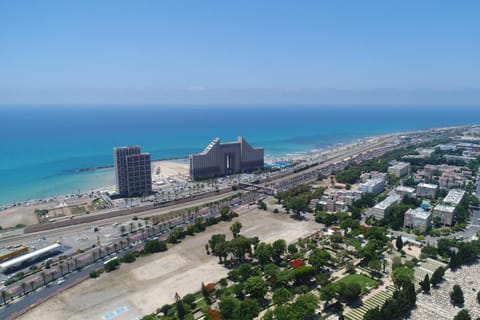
(257,188)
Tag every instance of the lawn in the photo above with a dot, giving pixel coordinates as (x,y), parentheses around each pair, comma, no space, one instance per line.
(365,282)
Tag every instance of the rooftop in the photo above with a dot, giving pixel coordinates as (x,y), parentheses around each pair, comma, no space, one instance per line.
(454,196)
(444,208)
(418,213)
(405,189)
(427,185)
(388,202)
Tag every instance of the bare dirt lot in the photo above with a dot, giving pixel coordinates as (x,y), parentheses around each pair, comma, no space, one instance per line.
(142,287)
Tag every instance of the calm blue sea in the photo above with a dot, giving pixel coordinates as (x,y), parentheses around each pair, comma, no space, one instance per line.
(42,147)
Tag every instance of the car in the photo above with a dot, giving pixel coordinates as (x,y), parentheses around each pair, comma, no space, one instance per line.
(60,281)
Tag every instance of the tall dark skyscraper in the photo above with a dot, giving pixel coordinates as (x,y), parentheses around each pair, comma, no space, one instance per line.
(133,171)
(220,159)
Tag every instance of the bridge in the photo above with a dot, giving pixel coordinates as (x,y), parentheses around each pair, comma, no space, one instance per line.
(257,188)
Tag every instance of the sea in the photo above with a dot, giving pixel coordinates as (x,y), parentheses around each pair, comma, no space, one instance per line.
(45,149)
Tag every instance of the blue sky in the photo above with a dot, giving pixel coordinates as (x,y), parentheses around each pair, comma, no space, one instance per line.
(319,52)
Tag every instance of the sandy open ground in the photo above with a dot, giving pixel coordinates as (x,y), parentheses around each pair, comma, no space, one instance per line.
(152,281)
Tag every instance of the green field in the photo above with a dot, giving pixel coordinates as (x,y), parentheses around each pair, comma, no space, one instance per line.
(365,282)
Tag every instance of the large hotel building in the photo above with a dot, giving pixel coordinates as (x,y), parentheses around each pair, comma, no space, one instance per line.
(133,172)
(219,159)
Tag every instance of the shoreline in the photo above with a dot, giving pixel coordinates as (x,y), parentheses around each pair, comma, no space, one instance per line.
(296,156)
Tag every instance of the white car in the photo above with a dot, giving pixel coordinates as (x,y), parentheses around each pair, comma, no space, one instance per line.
(60,281)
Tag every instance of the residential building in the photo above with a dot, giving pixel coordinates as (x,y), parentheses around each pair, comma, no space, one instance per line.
(444,214)
(446,147)
(417,219)
(452,157)
(374,186)
(372,176)
(379,210)
(425,152)
(219,159)
(454,197)
(405,191)
(399,169)
(427,190)
(132,171)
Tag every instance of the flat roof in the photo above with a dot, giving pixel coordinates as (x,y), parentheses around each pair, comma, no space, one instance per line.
(427,185)
(418,213)
(445,208)
(388,201)
(372,182)
(405,188)
(30,255)
(454,196)
(5,251)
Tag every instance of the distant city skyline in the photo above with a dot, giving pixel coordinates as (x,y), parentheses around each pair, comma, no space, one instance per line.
(285,52)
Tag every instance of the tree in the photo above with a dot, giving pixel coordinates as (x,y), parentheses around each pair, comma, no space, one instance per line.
(349,291)
(152,246)
(225,213)
(304,273)
(402,275)
(425,284)
(298,205)
(399,243)
(463,315)
(256,287)
(189,299)
(319,258)
(235,228)
(246,310)
(263,252)
(4,296)
(227,306)
(453,263)
(328,292)
(375,265)
(292,249)
(129,257)
(240,246)
(437,276)
(214,240)
(478,296)
(279,247)
(281,296)
(456,295)
(180,307)
(304,306)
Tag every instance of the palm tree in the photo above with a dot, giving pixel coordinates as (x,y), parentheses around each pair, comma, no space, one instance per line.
(62,267)
(24,286)
(4,296)
(75,261)
(44,277)
(123,229)
(131,227)
(32,283)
